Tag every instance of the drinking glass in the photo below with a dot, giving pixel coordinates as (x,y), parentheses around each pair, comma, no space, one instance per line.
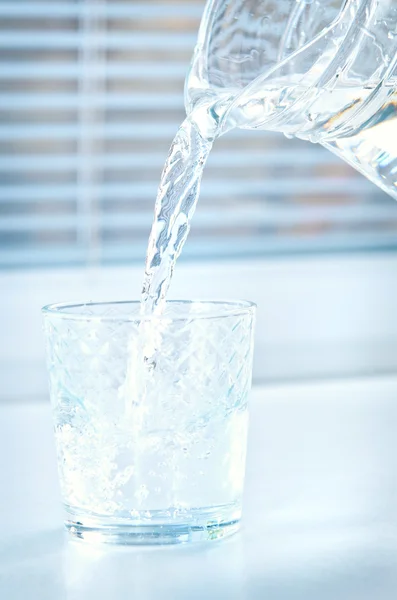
(151,417)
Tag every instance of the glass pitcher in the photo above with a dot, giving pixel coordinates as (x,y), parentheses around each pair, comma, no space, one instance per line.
(321,70)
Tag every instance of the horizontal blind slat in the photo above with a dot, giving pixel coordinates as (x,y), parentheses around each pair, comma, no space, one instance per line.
(39,101)
(156,160)
(136,10)
(147,190)
(74,130)
(142,130)
(61,39)
(150,70)
(264,216)
(207,249)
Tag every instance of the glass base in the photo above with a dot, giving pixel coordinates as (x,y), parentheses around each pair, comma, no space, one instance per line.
(97,529)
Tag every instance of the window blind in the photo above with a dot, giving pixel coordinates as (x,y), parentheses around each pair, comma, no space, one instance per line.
(91,95)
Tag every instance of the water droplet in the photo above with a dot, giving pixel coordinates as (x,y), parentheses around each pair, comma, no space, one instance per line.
(142,493)
(150,363)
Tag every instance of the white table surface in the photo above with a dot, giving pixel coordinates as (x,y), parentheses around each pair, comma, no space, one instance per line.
(319,523)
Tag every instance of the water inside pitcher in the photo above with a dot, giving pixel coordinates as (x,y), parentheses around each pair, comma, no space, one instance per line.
(321,70)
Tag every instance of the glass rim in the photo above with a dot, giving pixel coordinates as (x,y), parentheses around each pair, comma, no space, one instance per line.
(221,309)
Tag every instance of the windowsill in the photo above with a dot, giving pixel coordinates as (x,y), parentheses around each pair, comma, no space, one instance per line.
(318,317)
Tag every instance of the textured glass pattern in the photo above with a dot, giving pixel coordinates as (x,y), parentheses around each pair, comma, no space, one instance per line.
(151,418)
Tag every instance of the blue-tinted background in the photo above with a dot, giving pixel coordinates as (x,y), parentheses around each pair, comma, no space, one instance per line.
(91,94)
